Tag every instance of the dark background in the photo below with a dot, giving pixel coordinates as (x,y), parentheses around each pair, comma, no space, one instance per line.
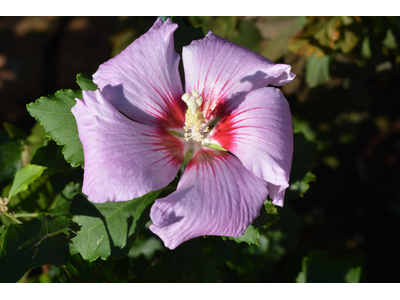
(353,208)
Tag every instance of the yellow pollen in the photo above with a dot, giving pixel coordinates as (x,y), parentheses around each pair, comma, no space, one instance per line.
(194,117)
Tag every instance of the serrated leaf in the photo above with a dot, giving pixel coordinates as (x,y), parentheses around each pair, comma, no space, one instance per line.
(10,157)
(186,263)
(85,82)
(24,178)
(109,229)
(44,240)
(268,216)
(54,113)
(250,236)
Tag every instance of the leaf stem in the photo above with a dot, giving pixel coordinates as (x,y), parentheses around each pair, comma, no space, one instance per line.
(12,218)
(26,215)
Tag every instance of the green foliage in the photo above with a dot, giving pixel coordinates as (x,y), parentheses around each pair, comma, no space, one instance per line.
(303,159)
(44,240)
(50,156)
(317,70)
(322,36)
(250,236)
(85,82)
(10,157)
(187,263)
(183,36)
(277,46)
(320,267)
(109,229)
(54,113)
(24,178)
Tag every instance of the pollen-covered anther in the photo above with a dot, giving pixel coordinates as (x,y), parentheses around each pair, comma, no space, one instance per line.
(194,117)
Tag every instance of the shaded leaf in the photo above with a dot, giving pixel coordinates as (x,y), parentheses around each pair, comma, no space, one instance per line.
(24,178)
(303,160)
(63,200)
(10,157)
(44,240)
(183,36)
(320,267)
(109,229)
(50,155)
(54,113)
(186,263)
(14,132)
(268,216)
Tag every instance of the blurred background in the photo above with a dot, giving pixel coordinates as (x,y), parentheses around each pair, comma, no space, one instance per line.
(345,101)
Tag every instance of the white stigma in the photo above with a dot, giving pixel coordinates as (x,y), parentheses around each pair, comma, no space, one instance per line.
(194,117)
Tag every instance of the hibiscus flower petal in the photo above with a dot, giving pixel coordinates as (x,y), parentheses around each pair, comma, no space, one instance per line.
(216,195)
(143,80)
(123,159)
(223,72)
(259,132)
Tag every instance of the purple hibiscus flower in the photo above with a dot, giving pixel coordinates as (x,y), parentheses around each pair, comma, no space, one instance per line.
(125,129)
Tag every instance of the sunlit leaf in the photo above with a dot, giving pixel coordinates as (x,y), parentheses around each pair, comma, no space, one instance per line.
(24,178)
(44,240)
(54,113)
(85,82)
(317,70)
(278,46)
(324,35)
(250,236)
(109,229)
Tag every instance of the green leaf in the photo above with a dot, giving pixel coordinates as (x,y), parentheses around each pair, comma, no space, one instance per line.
(63,200)
(14,131)
(317,70)
(303,160)
(277,46)
(109,229)
(186,263)
(183,36)
(44,240)
(54,113)
(24,178)
(268,216)
(320,267)
(10,157)
(250,236)
(85,82)
(50,155)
